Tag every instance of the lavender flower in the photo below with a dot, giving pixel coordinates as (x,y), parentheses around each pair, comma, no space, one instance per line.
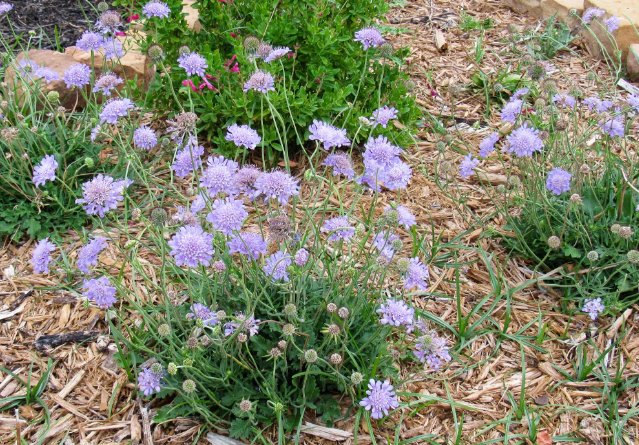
(150,382)
(102,194)
(187,159)
(218,176)
(5,8)
(341,163)
(47,74)
(114,109)
(520,93)
(109,22)
(613,127)
(277,53)
(384,244)
(433,350)
(369,180)
(201,312)
(301,257)
(593,307)
(604,105)
(380,154)
(416,275)
(395,176)
(193,64)
(566,100)
(558,181)
(406,218)
(113,49)
(77,75)
(592,102)
(94,133)
(467,166)
(592,13)
(243,135)
(633,101)
(396,313)
(145,137)
(260,81)
(276,266)
(247,324)
(383,115)
(40,257)
(90,41)
(185,216)
(247,243)
(524,141)
(277,185)
(488,145)
(244,181)
(156,9)
(228,215)
(381,398)
(45,171)
(192,246)
(511,110)
(100,291)
(369,37)
(612,23)
(88,255)
(339,228)
(328,135)
(106,82)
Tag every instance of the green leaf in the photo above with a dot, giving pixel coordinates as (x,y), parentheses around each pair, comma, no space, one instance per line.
(240,428)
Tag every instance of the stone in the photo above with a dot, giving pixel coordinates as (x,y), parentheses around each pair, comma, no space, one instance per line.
(632,64)
(58,62)
(530,7)
(628,13)
(562,9)
(192,15)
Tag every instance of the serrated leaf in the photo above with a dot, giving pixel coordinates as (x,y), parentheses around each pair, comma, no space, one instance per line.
(240,428)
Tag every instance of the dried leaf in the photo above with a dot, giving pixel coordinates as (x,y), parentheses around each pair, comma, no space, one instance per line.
(542,399)
(543,438)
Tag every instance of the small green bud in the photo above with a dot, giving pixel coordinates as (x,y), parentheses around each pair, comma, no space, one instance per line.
(159,216)
(89,162)
(188,362)
(309,175)
(440,146)
(103,6)
(592,256)
(157,368)
(360,230)
(53,97)
(188,386)
(155,52)
(32,32)
(172,368)
(403,264)
(357,378)
(397,244)
(164,330)
(392,216)
(351,272)
(184,49)
(278,407)
(501,188)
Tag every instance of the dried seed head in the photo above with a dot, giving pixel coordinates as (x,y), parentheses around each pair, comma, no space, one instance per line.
(403,264)
(343,313)
(159,216)
(392,216)
(290,309)
(592,256)
(537,71)
(242,337)
(590,77)
(549,86)
(135,214)
(527,60)
(183,123)
(625,232)
(184,49)
(333,329)
(155,52)
(397,244)
(164,330)
(448,138)
(409,85)
(188,362)
(382,261)
(188,386)
(9,134)
(336,359)
(157,368)
(275,352)
(540,104)
(554,242)
(575,198)
(246,406)
(220,314)
(633,256)
(445,167)
(514,181)
(440,146)
(357,378)
(280,228)
(282,344)
(585,169)
(310,356)
(103,6)
(544,135)
(251,43)
(288,329)
(386,49)
(561,124)
(394,353)
(360,229)
(53,97)
(192,343)
(615,228)
(455,89)
(219,266)
(498,88)
(501,189)
(205,341)
(512,29)
(575,92)
(331,307)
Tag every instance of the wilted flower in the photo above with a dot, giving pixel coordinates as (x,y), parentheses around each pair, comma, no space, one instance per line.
(341,163)
(328,135)
(45,171)
(100,291)
(343,313)
(396,313)
(245,406)
(336,359)
(191,246)
(260,81)
(612,23)
(106,82)
(276,53)
(150,382)
(277,185)
(193,64)
(593,307)
(156,8)
(279,228)
(247,243)
(145,137)
(219,266)
(558,181)
(524,141)
(381,398)
(554,242)
(276,266)
(339,228)
(310,356)
(203,313)
(625,232)
(244,180)
(77,75)
(88,255)
(109,22)
(369,37)
(102,194)
(383,115)
(416,275)
(301,257)
(243,135)
(40,257)
(488,144)
(228,215)
(90,41)
(467,166)
(114,109)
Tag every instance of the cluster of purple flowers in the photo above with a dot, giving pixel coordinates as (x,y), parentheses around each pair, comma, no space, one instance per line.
(101,194)
(341,163)
(88,255)
(276,266)
(327,134)
(201,312)
(383,115)
(45,170)
(380,398)
(193,64)
(40,258)
(188,159)
(150,382)
(396,313)
(77,75)
(243,135)
(249,244)
(369,37)
(228,215)
(467,166)
(593,307)
(382,163)
(260,81)
(339,228)
(156,8)
(218,176)
(100,291)
(416,275)
(524,141)
(30,70)
(432,349)
(192,246)
(488,144)
(145,137)
(558,181)
(114,109)
(245,324)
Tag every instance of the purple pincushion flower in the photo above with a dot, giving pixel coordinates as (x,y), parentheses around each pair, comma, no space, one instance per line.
(5,8)
(593,307)
(77,75)
(201,312)
(102,194)
(406,218)
(244,180)
(565,100)
(114,109)
(380,154)
(199,203)
(467,166)
(228,215)
(613,127)
(524,141)
(301,257)
(113,49)
(88,255)
(369,37)
(328,135)
(592,102)
(45,170)
(558,181)
(192,246)
(511,110)
(277,185)
(30,70)
(218,176)
(106,82)
(633,101)
(276,266)
(156,9)
(341,163)
(433,350)
(416,275)
(612,23)
(339,228)
(150,382)
(381,398)
(260,81)
(187,160)
(383,115)
(604,105)
(249,244)
(100,291)
(396,313)
(145,137)
(520,93)
(276,53)
(40,257)
(383,243)
(395,176)
(592,13)
(90,41)
(193,64)
(247,324)
(488,145)
(243,135)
